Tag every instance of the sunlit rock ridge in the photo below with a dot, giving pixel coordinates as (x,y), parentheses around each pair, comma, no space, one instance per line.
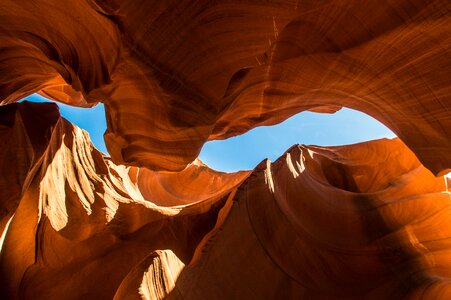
(363,221)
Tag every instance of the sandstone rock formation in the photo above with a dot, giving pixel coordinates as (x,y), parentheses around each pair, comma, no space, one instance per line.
(174,74)
(359,221)
(82,222)
(365,221)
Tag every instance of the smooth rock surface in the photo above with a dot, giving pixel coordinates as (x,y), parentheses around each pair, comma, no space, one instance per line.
(174,74)
(363,221)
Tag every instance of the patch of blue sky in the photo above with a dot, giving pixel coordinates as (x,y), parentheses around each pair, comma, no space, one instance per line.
(245,151)
(90,119)
(346,126)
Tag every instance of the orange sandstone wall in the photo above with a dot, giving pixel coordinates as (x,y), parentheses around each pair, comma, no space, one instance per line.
(174,74)
(364,221)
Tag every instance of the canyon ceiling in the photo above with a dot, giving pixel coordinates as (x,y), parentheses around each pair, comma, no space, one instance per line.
(364,221)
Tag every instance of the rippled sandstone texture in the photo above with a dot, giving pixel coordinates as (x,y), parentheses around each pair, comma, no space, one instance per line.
(174,74)
(352,222)
(365,221)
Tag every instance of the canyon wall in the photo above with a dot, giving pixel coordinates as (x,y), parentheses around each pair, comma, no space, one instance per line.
(174,74)
(357,221)
(364,221)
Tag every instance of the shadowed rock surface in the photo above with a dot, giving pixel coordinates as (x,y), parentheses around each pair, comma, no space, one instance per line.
(364,221)
(82,222)
(174,74)
(357,221)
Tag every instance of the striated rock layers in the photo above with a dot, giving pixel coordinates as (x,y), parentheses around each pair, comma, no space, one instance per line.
(364,221)
(174,74)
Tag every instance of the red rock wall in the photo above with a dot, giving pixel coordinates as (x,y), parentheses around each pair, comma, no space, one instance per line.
(350,222)
(174,74)
(365,221)
(80,222)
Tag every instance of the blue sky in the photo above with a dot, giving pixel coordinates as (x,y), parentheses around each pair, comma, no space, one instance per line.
(90,119)
(246,151)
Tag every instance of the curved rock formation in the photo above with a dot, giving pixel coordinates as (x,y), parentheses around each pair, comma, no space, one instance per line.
(82,222)
(174,74)
(365,221)
(351,222)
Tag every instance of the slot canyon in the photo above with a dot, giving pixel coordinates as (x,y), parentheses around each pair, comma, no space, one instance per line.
(150,220)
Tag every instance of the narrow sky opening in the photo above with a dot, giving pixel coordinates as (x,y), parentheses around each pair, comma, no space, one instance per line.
(346,126)
(244,152)
(90,119)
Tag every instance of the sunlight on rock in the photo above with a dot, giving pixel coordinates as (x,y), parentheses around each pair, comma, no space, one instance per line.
(161,276)
(245,151)
(338,111)
(5,231)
